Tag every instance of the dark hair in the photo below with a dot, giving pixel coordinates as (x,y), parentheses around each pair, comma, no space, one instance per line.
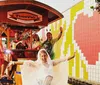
(37,37)
(49,33)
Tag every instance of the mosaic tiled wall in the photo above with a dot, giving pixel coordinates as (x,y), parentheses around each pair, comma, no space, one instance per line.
(81,33)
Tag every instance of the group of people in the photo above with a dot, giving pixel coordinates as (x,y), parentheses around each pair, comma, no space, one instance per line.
(41,70)
(20,43)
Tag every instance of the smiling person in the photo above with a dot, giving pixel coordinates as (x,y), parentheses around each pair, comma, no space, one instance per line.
(39,72)
(36,45)
(50,41)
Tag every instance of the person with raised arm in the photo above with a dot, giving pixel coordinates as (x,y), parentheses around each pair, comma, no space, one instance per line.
(50,41)
(39,72)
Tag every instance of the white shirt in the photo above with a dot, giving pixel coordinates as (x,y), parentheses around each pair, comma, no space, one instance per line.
(34,73)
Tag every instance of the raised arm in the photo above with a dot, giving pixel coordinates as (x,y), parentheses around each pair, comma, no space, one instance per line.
(60,34)
(55,62)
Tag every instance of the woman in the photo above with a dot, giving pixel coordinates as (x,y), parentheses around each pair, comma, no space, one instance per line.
(39,72)
(36,42)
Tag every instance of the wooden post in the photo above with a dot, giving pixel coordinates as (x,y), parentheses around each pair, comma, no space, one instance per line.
(8,39)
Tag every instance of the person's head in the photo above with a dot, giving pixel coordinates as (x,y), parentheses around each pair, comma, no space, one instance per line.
(36,37)
(43,56)
(16,36)
(21,37)
(49,36)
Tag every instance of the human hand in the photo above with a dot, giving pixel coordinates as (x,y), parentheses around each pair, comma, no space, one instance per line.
(69,58)
(74,54)
(11,63)
(61,29)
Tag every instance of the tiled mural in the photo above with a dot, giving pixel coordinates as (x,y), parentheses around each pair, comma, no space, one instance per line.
(81,33)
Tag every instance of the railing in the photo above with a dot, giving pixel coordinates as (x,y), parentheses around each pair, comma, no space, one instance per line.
(76,81)
(21,53)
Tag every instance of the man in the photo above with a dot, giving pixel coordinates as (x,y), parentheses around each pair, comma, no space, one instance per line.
(16,44)
(49,43)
